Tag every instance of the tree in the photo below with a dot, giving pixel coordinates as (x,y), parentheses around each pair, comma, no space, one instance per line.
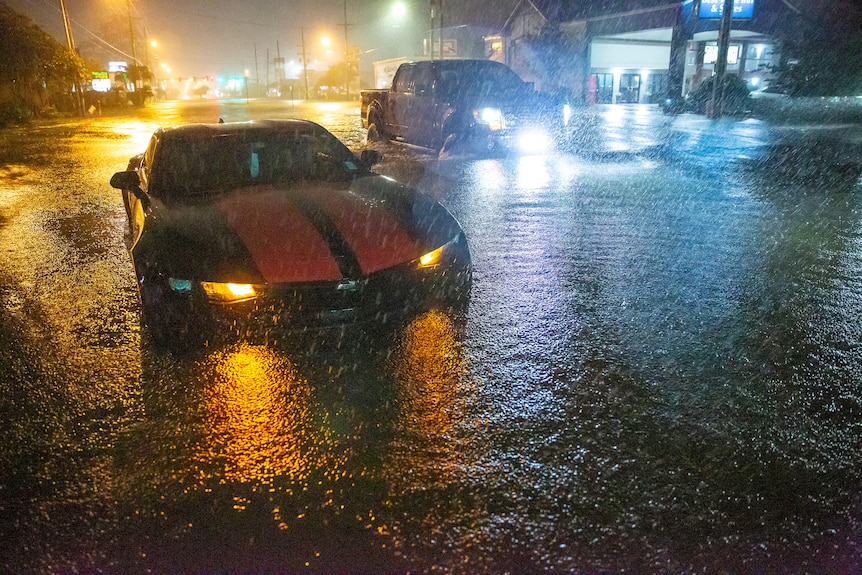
(35,70)
(333,79)
(820,43)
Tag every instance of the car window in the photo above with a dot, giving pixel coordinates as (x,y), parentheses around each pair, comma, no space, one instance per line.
(191,167)
(404,79)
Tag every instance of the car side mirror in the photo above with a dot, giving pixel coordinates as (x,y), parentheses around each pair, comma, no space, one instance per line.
(128,180)
(370,157)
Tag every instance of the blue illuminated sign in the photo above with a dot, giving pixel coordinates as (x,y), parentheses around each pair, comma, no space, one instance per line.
(713,8)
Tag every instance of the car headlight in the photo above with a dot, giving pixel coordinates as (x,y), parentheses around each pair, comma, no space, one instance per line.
(491,117)
(229,292)
(432,258)
(435,257)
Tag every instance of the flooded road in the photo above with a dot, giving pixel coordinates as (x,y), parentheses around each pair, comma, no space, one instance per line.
(660,370)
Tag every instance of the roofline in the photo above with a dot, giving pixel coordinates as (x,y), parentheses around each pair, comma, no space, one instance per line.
(629,13)
(515,9)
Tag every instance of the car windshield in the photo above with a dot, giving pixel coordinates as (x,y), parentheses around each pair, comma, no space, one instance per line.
(193,165)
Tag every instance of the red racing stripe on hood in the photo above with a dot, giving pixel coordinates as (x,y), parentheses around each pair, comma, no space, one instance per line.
(284,244)
(376,236)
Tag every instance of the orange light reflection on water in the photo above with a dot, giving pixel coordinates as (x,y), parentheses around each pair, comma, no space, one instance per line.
(259,417)
(428,369)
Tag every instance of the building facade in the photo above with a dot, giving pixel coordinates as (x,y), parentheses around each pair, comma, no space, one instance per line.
(645,55)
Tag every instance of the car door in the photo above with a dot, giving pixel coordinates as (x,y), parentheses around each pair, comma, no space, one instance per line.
(136,211)
(400,100)
(421,108)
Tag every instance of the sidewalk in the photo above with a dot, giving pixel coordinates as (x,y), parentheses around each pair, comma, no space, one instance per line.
(830,130)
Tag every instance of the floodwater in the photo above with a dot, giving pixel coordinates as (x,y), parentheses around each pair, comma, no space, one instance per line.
(660,370)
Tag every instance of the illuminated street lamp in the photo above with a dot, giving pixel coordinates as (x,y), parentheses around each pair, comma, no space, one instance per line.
(399,11)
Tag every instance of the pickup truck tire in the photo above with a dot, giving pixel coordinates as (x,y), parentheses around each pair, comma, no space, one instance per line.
(452,142)
(376,131)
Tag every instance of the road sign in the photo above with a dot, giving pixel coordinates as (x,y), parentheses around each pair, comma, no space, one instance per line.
(713,8)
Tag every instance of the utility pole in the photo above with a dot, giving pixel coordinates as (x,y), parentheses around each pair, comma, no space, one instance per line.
(256,69)
(304,61)
(442,11)
(717,104)
(70,41)
(431,31)
(346,55)
(132,35)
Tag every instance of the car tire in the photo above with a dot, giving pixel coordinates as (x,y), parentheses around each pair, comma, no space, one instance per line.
(451,143)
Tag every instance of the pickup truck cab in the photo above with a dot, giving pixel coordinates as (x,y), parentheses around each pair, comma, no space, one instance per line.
(440,103)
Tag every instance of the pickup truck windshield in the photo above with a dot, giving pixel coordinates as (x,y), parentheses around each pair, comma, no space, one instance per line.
(479,79)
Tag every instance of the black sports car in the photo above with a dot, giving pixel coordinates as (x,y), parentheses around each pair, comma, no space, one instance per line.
(277,224)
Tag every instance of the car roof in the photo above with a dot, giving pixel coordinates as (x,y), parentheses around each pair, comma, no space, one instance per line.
(204,131)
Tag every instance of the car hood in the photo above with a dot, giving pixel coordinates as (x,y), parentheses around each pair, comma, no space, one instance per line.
(316,232)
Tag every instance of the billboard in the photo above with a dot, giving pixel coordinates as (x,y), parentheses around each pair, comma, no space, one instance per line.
(713,8)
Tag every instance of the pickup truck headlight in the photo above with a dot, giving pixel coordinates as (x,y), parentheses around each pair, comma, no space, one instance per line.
(491,117)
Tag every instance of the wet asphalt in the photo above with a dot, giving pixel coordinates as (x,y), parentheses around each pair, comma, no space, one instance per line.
(660,368)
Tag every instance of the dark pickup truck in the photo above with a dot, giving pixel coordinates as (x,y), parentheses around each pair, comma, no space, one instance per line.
(440,104)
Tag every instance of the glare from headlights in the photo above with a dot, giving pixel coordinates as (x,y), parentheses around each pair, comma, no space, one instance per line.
(229,292)
(534,142)
(492,117)
(432,258)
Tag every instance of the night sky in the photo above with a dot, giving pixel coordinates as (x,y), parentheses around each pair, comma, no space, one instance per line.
(198,37)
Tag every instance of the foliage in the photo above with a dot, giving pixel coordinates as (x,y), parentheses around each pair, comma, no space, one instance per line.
(12,113)
(35,68)
(335,76)
(735,95)
(820,45)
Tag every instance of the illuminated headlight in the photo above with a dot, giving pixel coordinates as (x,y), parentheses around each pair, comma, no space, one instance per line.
(534,141)
(229,292)
(432,258)
(491,117)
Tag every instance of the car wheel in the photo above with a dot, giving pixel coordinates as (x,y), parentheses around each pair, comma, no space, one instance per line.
(128,208)
(451,143)
(376,131)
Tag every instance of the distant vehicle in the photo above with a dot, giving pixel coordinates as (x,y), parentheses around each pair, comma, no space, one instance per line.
(483,104)
(278,225)
(772,91)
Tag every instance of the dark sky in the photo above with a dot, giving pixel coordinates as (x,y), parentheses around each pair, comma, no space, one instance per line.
(198,37)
